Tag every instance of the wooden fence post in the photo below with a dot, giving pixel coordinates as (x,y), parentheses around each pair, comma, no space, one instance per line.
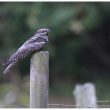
(39,80)
(85,95)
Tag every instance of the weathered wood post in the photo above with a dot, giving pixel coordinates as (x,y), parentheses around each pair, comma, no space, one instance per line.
(39,80)
(85,95)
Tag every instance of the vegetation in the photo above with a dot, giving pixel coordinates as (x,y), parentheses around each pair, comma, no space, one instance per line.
(79,40)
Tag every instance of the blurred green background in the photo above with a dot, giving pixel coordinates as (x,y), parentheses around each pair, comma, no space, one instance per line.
(79,47)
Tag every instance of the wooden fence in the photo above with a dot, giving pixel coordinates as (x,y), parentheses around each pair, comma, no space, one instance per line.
(39,86)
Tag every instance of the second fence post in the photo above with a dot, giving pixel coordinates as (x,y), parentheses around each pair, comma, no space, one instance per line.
(39,80)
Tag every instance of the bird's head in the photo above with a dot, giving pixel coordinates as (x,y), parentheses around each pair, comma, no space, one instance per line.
(43,31)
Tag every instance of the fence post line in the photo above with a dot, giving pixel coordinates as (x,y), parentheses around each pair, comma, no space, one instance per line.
(39,79)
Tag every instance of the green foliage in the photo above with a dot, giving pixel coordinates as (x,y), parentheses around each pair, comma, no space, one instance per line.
(79,42)
(70,41)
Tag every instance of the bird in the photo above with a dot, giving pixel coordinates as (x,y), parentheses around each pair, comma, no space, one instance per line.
(32,45)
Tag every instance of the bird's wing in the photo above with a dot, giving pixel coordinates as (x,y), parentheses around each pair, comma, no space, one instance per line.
(31,45)
(35,39)
(25,50)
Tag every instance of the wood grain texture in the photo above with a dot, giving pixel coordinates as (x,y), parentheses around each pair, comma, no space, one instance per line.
(39,80)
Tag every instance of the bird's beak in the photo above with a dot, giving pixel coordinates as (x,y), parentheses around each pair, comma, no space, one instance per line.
(48,30)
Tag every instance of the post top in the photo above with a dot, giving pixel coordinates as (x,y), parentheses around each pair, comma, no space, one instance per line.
(42,52)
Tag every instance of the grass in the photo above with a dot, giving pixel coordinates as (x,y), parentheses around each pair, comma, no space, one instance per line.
(60,93)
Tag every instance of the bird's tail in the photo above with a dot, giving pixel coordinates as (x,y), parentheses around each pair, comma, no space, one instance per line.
(9,67)
(6,62)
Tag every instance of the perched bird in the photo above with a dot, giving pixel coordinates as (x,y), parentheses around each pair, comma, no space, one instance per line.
(34,44)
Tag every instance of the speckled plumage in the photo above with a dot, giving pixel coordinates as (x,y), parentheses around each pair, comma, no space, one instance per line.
(34,44)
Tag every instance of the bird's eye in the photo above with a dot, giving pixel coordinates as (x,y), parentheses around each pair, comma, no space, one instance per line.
(42,31)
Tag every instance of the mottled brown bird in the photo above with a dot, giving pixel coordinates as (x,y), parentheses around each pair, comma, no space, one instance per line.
(34,44)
